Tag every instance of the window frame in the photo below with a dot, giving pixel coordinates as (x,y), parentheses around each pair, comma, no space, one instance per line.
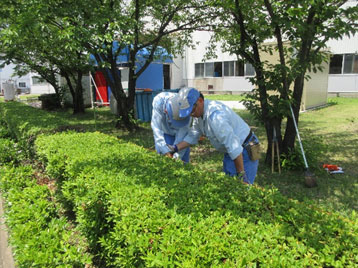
(216,69)
(22,84)
(201,70)
(348,64)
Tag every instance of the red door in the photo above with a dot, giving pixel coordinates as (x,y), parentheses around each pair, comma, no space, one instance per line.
(101,91)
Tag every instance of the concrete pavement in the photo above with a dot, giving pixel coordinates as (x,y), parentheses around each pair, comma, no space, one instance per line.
(6,259)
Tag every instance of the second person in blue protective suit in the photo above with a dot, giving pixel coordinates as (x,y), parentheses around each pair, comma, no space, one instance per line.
(225,129)
(168,128)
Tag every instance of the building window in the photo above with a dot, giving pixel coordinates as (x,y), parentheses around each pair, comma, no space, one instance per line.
(218,69)
(229,68)
(346,64)
(249,69)
(22,84)
(209,69)
(199,69)
(38,81)
(350,64)
(239,68)
(335,65)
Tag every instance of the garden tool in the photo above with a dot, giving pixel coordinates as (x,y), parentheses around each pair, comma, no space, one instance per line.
(278,150)
(272,156)
(275,144)
(309,179)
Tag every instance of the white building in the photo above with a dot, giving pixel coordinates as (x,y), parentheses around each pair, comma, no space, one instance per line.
(226,74)
(30,83)
(343,72)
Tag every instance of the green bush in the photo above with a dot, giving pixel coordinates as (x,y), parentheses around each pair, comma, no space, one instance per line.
(4,131)
(8,151)
(314,148)
(139,209)
(50,101)
(24,122)
(39,236)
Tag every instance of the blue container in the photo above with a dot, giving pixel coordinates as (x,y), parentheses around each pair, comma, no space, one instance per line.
(175,90)
(144,104)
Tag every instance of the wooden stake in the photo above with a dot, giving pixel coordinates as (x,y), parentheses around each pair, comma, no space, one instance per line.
(272,156)
(278,158)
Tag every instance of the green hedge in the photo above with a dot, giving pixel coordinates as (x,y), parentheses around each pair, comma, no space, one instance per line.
(139,209)
(38,235)
(24,121)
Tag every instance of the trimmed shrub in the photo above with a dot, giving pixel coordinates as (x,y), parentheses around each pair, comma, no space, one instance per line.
(4,131)
(139,209)
(39,236)
(25,122)
(50,101)
(8,151)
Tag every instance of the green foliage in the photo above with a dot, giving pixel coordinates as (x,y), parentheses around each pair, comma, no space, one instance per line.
(139,209)
(313,148)
(136,208)
(37,38)
(4,131)
(8,152)
(292,160)
(39,237)
(50,101)
(300,30)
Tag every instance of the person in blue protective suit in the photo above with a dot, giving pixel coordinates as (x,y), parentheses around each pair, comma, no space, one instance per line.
(225,129)
(168,128)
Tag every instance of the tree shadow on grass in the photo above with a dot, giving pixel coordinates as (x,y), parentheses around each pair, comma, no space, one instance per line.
(338,191)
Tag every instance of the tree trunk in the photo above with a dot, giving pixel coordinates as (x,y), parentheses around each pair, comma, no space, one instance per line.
(78,102)
(268,121)
(125,106)
(76,92)
(290,133)
(125,113)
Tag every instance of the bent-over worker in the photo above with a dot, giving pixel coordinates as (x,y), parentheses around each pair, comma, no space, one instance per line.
(167,126)
(225,129)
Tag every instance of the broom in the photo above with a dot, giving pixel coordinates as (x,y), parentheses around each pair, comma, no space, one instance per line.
(309,177)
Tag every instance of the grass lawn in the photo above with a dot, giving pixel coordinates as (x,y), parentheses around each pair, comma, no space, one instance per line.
(226,97)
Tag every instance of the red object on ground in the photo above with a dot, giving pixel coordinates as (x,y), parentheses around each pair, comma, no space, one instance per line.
(101,86)
(331,167)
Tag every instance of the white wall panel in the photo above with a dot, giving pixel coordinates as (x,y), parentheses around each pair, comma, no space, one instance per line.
(343,83)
